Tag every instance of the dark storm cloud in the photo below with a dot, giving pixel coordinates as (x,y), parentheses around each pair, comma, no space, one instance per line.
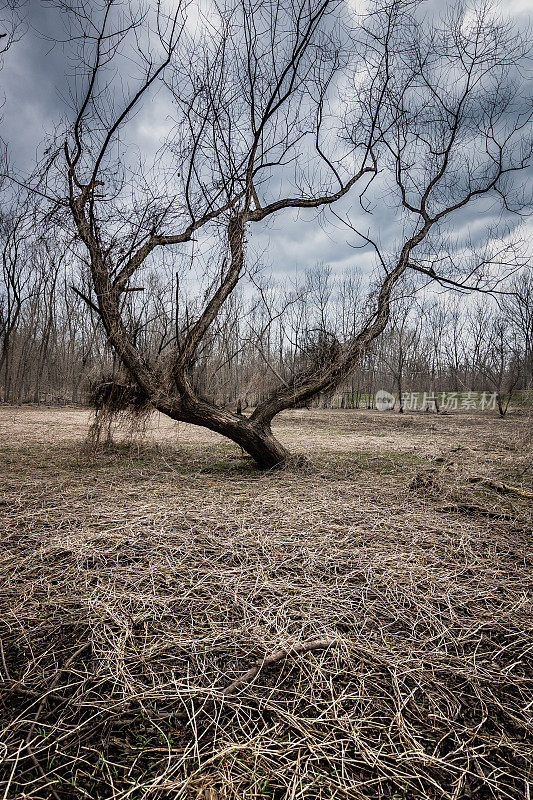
(35,82)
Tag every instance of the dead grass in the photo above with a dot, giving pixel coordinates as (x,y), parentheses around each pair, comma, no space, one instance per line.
(141,581)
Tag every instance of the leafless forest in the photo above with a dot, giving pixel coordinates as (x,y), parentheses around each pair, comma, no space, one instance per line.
(266,400)
(55,351)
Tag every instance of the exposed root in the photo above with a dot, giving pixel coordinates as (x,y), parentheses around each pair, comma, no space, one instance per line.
(502,487)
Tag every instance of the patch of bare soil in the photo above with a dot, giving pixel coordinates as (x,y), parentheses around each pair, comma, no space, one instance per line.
(176,624)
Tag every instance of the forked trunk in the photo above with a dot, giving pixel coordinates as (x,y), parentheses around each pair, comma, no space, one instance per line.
(263,446)
(254,438)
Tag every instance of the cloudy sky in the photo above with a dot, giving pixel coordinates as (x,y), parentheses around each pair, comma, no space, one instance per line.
(35,83)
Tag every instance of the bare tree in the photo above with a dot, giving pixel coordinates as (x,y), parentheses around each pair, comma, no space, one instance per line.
(12,24)
(518,310)
(404,336)
(282,108)
(500,361)
(16,285)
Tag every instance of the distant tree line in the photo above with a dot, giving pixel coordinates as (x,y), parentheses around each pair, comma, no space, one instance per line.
(53,347)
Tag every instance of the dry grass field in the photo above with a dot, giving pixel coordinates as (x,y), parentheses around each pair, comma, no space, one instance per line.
(176,624)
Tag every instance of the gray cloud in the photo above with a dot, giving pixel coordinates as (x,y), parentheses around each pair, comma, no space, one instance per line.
(35,81)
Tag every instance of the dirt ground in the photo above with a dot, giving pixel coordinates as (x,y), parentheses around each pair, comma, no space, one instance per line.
(177,624)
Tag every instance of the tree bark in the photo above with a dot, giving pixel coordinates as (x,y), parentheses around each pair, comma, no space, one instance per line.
(255,438)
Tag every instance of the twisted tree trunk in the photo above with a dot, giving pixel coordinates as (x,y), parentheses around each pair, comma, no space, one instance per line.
(254,438)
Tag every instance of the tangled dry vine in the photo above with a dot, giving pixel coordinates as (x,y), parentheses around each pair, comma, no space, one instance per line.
(339,636)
